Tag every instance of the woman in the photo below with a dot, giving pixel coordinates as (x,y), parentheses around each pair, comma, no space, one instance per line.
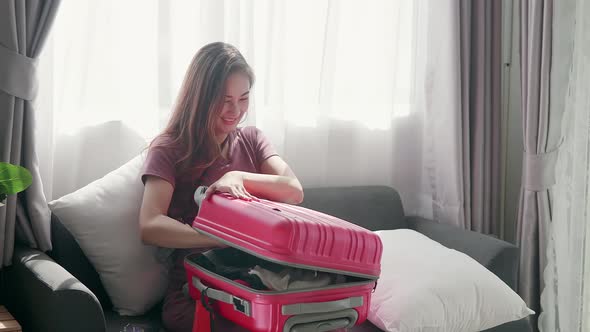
(203,146)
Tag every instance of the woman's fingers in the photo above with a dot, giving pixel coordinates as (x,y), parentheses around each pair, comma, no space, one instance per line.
(250,196)
(234,191)
(237,191)
(210,191)
(242,193)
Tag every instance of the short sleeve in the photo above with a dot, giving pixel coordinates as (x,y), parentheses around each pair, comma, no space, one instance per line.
(263,147)
(160,162)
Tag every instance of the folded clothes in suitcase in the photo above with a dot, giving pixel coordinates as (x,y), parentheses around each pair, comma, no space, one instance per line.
(272,236)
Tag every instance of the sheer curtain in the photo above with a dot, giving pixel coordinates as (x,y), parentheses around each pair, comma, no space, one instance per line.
(350,92)
(565,300)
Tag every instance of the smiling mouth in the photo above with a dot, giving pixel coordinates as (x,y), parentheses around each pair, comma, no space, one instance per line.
(229,121)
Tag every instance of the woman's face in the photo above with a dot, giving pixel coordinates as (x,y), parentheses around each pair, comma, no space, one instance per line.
(235,104)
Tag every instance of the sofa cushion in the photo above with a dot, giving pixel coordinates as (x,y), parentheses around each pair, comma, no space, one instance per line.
(103,217)
(498,256)
(67,253)
(426,286)
(522,325)
(372,207)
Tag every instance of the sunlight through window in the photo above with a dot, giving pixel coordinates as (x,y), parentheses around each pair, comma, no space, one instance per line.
(314,60)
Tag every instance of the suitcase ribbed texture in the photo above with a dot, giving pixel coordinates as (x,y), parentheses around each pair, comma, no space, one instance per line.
(292,235)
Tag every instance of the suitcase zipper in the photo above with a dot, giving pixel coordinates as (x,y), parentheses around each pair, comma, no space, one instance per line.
(299,266)
(251,290)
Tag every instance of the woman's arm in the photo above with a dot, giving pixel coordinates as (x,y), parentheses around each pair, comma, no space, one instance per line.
(278,183)
(156,228)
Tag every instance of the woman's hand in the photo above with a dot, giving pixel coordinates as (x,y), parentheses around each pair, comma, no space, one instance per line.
(231,183)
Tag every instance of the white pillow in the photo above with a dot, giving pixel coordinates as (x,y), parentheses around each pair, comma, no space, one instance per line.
(103,217)
(425,286)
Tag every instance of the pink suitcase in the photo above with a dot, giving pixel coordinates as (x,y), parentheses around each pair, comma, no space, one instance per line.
(294,237)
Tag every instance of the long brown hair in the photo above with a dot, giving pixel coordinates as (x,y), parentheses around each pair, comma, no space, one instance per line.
(191,128)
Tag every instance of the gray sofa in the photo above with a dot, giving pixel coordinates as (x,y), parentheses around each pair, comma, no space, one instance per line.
(61,291)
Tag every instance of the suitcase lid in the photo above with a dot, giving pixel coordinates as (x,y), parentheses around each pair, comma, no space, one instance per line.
(291,235)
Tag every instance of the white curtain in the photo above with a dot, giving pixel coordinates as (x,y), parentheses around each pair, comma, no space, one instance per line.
(565,300)
(350,92)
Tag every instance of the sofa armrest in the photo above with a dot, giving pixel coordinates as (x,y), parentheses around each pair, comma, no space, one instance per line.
(43,296)
(498,256)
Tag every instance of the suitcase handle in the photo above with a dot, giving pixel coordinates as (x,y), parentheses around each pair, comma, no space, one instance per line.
(326,325)
(239,304)
(320,307)
(327,321)
(200,195)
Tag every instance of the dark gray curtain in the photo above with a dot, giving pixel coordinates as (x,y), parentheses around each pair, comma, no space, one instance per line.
(480,27)
(542,138)
(24,26)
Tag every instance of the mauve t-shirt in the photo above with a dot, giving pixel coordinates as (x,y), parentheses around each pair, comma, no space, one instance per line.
(248,149)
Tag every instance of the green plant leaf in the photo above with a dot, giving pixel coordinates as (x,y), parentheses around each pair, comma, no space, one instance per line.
(14,179)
